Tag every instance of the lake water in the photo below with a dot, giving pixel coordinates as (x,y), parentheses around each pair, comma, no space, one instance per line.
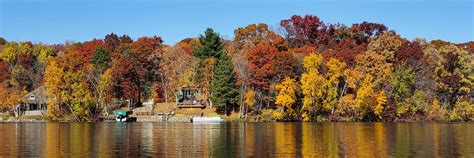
(237,139)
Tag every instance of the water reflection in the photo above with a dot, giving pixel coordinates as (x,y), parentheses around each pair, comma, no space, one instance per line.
(237,139)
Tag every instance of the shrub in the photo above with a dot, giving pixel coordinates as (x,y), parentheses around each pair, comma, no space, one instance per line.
(277,115)
(464,110)
(265,115)
(390,112)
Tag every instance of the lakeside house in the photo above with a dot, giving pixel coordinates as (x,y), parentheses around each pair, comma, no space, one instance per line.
(35,103)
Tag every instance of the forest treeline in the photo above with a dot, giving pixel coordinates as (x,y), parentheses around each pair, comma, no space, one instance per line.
(305,70)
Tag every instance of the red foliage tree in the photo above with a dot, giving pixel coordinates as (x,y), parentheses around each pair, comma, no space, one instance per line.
(370,29)
(468,46)
(25,60)
(133,67)
(127,80)
(267,65)
(306,30)
(409,53)
(111,41)
(346,50)
(304,50)
(4,72)
(84,50)
(186,45)
(259,64)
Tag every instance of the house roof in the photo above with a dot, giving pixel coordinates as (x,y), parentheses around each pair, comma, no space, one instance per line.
(37,96)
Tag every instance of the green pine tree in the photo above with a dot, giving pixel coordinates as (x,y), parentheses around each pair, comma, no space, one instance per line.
(100,58)
(211,45)
(210,48)
(225,93)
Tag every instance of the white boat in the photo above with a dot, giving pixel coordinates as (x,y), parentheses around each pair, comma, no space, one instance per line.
(121,119)
(206,119)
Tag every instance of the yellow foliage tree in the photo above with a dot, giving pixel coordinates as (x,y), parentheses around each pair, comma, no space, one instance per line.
(250,98)
(16,96)
(9,97)
(312,82)
(176,69)
(286,93)
(3,95)
(364,92)
(76,94)
(368,100)
(365,96)
(204,75)
(381,100)
(9,52)
(104,90)
(52,82)
(386,45)
(346,105)
(374,64)
(335,72)
(436,111)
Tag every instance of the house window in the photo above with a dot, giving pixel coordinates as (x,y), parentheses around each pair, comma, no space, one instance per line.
(31,97)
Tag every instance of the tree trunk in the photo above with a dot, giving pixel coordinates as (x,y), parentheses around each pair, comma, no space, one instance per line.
(343,90)
(241,101)
(72,111)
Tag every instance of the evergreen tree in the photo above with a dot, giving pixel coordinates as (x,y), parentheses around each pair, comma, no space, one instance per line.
(100,58)
(211,45)
(225,93)
(209,51)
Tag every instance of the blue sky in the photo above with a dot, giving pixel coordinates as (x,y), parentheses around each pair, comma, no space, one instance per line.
(56,21)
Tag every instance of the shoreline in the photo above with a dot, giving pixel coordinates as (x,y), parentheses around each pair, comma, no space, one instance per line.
(185,119)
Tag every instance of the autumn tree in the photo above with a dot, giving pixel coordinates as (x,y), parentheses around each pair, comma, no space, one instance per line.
(286,94)
(125,78)
(263,64)
(346,50)
(368,101)
(305,30)
(410,53)
(249,100)
(134,69)
(365,30)
(468,46)
(4,96)
(111,42)
(4,71)
(266,65)
(378,59)
(176,68)
(312,85)
(25,62)
(85,49)
(454,74)
(104,90)
(374,64)
(2,41)
(386,45)
(204,76)
(188,45)
(333,77)
(53,82)
(77,95)
(253,34)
